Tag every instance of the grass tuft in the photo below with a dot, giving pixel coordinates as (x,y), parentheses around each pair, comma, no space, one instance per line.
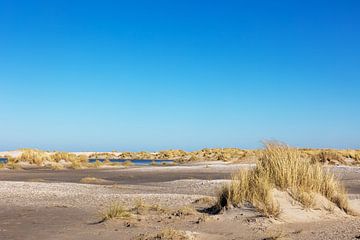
(142,208)
(284,168)
(128,163)
(115,211)
(92,180)
(166,234)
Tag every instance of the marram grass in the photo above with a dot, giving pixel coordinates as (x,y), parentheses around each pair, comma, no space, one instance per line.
(284,168)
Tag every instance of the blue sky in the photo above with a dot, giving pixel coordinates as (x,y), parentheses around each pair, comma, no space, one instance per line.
(150,75)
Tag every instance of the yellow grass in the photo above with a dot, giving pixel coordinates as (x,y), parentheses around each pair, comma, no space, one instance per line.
(33,156)
(115,211)
(92,180)
(56,167)
(97,164)
(39,157)
(324,156)
(13,165)
(185,211)
(69,157)
(166,234)
(142,208)
(128,163)
(76,165)
(286,169)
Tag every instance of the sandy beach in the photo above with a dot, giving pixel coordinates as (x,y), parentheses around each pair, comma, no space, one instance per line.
(46,204)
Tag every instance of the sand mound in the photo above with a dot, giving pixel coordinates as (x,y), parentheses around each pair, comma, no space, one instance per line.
(292,211)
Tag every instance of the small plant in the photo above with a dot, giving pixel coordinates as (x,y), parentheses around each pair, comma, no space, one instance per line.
(56,167)
(127,163)
(141,207)
(205,200)
(185,211)
(277,235)
(75,165)
(107,162)
(115,211)
(98,163)
(166,234)
(91,180)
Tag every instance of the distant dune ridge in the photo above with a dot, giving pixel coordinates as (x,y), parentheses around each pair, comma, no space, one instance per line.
(80,159)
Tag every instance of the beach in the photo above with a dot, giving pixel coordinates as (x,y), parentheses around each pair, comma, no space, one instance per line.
(47,204)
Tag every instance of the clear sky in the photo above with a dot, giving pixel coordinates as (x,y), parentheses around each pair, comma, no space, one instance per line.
(150,75)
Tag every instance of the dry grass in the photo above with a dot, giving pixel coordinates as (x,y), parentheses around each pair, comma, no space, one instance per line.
(33,156)
(128,163)
(92,180)
(205,200)
(142,208)
(283,168)
(13,166)
(166,234)
(41,158)
(115,211)
(69,157)
(185,211)
(56,167)
(277,235)
(76,165)
(97,164)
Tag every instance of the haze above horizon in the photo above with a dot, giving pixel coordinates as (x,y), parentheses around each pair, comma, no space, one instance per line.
(153,75)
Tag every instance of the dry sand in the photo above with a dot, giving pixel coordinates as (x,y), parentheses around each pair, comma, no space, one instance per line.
(45,204)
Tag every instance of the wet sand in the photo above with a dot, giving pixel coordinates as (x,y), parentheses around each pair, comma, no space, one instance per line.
(350,176)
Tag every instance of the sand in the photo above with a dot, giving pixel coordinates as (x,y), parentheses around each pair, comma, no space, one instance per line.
(49,204)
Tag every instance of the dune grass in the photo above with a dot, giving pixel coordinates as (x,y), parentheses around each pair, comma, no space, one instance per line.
(97,164)
(166,234)
(33,156)
(115,211)
(92,180)
(45,158)
(56,167)
(185,211)
(284,168)
(13,165)
(142,208)
(128,163)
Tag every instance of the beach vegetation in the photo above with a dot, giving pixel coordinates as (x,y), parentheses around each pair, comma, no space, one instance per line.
(115,211)
(285,169)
